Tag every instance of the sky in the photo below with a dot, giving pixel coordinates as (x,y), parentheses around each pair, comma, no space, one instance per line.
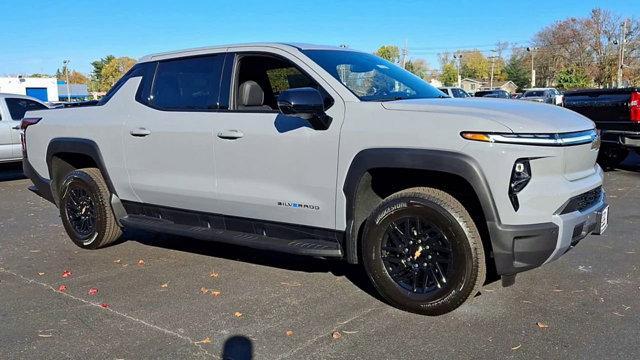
(37,36)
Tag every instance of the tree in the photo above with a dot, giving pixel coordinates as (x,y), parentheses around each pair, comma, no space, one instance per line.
(96,73)
(113,71)
(475,65)
(449,75)
(517,71)
(572,78)
(389,53)
(39,75)
(418,67)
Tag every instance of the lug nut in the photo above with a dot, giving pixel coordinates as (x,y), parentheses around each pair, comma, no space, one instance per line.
(428,256)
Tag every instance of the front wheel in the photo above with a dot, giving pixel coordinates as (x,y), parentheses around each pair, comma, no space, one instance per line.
(85,209)
(422,251)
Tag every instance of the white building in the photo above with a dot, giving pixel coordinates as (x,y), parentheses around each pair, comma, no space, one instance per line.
(45,89)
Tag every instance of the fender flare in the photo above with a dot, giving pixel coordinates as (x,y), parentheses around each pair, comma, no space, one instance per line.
(416,159)
(71,145)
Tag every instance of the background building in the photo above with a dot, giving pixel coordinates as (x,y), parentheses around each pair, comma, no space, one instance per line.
(45,89)
(76,92)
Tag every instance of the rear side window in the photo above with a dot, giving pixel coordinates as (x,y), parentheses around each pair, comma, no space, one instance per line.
(18,107)
(187,84)
(137,70)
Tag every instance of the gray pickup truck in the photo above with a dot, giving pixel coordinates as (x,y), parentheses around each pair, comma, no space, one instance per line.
(326,152)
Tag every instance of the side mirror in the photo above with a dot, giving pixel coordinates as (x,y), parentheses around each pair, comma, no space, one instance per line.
(306,103)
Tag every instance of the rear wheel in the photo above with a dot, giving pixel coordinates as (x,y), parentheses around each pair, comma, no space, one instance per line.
(85,209)
(423,252)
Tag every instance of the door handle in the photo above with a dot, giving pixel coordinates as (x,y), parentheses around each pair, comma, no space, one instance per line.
(140,132)
(230,134)
(17,127)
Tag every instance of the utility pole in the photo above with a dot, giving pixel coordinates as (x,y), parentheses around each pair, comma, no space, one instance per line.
(533,71)
(493,62)
(458,59)
(405,52)
(65,67)
(623,40)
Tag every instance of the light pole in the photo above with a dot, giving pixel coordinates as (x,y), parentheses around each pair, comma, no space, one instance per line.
(533,71)
(493,61)
(458,57)
(65,67)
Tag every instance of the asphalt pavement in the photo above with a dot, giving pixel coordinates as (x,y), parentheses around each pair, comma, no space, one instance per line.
(165,297)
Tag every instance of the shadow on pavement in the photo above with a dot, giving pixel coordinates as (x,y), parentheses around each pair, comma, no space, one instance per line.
(353,273)
(237,348)
(631,163)
(11,171)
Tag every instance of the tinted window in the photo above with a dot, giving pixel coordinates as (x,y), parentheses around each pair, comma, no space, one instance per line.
(372,78)
(136,70)
(534,93)
(187,84)
(17,107)
(459,93)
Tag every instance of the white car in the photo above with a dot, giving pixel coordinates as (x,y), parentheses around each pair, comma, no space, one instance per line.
(12,109)
(543,95)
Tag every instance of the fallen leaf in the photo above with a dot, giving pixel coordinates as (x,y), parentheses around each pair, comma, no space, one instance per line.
(336,335)
(215,293)
(206,340)
(349,332)
(237,314)
(93,291)
(204,290)
(140,262)
(213,274)
(289,333)
(45,335)
(40,273)
(62,288)
(542,325)
(66,274)
(615,313)
(103,305)
(516,347)
(117,261)
(290,284)
(164,285)
(558,290)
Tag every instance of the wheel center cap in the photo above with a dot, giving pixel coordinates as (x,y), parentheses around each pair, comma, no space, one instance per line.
(418,252)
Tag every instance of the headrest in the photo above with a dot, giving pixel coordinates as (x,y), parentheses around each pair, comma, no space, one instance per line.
(250,94)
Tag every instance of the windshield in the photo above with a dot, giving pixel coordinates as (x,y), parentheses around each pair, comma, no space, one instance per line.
(371,78)
(533,93)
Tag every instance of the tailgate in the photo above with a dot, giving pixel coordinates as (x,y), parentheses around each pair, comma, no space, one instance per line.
(608,108)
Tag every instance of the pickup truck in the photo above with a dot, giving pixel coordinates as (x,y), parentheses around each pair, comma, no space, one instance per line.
(12,109)
(326,152)
(616,113)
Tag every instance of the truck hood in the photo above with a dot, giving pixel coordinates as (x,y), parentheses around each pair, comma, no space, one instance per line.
(519,116)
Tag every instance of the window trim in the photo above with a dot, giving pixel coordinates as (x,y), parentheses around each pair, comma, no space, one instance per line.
(234,75)
(146,102)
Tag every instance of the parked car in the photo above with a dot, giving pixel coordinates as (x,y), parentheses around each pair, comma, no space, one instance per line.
(327,152)
(12,109)
(500,94)
(455,92)
(516,95)
(543,95)
(616,113)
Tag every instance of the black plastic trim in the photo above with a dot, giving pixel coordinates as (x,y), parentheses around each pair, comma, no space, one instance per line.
(42,186)
(260,234)
(81,146)
(517,248)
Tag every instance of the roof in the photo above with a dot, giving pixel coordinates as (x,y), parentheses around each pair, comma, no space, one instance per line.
(220,48)
(472,80)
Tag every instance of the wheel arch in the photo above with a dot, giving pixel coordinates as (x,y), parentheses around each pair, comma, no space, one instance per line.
(419,167)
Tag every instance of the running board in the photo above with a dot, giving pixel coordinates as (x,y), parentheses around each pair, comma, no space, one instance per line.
(309,247)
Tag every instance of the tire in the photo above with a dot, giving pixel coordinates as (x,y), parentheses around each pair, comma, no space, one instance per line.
(612,156)
(85,209)
(442,230)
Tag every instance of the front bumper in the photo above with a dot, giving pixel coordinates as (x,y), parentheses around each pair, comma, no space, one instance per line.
(522,247)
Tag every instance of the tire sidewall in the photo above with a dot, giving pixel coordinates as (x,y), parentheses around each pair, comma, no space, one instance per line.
(80,178)
(451,227)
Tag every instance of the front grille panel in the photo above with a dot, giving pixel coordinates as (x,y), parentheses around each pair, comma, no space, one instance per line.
(583,201)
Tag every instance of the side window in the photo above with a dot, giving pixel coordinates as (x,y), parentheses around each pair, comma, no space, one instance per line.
(187,84)
(18,107)
(457,93)
(137,70)
(261,78)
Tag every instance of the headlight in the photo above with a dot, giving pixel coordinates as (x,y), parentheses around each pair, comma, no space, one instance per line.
(559,139)
(520,177)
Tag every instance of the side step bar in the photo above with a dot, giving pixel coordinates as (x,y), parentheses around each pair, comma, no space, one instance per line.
(309,247)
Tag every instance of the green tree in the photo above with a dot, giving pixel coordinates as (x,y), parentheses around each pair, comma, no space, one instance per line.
(39,75)
(449,75)
(96,73)
(418,67)
(113,71)
(389,53)
(517,72)
(572,78)
(475,65)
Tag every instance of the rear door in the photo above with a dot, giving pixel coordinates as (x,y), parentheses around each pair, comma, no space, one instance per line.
(168,134)
(16,109)
(276,167)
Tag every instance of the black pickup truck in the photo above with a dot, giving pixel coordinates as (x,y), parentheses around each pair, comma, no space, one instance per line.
(616,113)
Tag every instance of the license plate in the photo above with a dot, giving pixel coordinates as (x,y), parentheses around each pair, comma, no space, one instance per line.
(604,219)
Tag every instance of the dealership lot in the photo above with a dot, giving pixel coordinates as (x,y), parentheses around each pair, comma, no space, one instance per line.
(168,297)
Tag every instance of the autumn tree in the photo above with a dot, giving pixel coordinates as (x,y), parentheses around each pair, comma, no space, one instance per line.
(389,52)
(418,67)
(475,65)
(113,71)
(449,75)
(74,76)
